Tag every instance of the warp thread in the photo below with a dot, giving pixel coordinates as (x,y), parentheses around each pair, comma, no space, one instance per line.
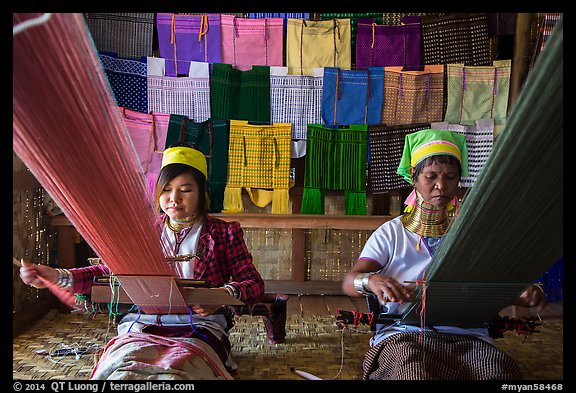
(62,137)
(424,286)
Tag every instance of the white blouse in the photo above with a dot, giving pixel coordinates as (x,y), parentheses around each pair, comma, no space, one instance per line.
(182,246)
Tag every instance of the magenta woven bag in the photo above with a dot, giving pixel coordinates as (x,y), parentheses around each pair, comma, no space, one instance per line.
(247,42)
(384,45)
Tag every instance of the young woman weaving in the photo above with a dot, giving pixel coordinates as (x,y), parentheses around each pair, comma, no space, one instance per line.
(176,346)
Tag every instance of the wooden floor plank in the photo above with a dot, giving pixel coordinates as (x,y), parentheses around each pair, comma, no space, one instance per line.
(360,304)
(338,302)
(293,306)
(314,305)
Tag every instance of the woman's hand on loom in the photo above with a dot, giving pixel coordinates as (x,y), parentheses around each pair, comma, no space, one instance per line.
(205,310)
(29,274)
(388,289)
(208,309)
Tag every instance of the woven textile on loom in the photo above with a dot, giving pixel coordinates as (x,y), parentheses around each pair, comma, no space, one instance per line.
(128,80)
(188,96)
(186,38)
(335,160)
(296,99)
(324,43)
(352,96)
(413,96)
(386,144)
(148,134)
(259,161)
(509,230)
(127,34)
(211,137)
(240,95)
(479,142)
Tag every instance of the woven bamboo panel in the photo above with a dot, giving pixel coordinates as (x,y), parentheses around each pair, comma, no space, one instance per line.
(271,251)
(330,253)
(32,239)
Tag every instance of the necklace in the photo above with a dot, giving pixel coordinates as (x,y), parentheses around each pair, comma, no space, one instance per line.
(179,225)
(425,219)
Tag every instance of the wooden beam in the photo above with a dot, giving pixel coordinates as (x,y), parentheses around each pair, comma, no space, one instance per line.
(304,221)
(312,287)
(521,59)
(299,221)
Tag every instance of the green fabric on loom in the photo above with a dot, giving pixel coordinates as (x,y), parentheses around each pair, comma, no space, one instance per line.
(211,137)
(509,230)
(335,160)
(240,95)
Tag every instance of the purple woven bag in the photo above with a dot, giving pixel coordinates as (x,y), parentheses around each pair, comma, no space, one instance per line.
(183,38)
(383,45)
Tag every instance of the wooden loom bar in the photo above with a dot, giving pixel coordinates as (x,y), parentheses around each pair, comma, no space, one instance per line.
(102,294)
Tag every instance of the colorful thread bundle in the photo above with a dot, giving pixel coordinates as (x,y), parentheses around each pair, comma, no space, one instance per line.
(68,132)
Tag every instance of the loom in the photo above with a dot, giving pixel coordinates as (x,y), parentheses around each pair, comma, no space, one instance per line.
(496,325)
(509,229)
(68,131)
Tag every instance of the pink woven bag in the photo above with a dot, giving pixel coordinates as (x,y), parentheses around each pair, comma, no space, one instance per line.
(247,42)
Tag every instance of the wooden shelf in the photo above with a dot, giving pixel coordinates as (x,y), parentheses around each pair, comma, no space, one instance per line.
(305,221)
(295,221)
(310,287)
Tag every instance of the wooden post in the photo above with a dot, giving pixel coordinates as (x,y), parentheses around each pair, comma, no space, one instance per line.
(521,60)
(298,241)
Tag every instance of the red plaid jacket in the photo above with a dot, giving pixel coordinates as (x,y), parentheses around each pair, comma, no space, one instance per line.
(223,258)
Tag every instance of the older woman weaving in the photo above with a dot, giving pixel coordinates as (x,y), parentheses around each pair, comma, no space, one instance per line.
(176,346)
(397,254)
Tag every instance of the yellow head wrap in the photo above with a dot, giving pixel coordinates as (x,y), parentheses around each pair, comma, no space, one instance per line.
(187,156)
